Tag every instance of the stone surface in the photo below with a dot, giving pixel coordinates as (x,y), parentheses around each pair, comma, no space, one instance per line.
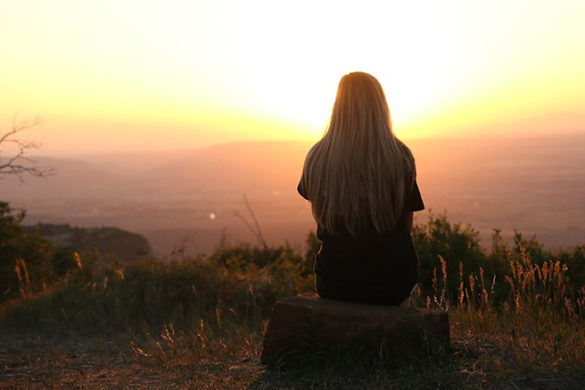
(404,331)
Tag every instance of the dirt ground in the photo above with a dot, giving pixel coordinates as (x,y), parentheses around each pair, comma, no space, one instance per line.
(100,363)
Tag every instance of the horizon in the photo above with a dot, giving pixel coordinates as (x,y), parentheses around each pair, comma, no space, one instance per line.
(532,184)
(40,152)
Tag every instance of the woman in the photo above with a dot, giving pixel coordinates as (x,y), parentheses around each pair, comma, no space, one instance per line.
(361,182)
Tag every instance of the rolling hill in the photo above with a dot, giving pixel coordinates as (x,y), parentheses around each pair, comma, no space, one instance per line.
(189,197)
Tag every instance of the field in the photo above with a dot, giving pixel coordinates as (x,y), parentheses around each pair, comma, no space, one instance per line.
(103,363)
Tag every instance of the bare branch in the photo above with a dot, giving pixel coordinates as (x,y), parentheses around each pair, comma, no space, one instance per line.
(256,231)
(17,161)
(237,214)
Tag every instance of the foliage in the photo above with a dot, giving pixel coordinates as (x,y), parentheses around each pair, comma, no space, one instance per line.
(25,259)
(110,295)
(438,237)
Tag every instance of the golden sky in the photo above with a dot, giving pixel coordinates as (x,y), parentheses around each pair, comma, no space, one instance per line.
(142,75)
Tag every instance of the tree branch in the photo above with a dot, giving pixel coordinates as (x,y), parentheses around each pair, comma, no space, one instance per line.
(17,161)
(256,231)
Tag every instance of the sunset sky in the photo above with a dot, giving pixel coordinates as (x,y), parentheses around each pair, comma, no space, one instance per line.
(142,75)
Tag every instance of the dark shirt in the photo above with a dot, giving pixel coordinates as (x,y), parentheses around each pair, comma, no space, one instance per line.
(373,267)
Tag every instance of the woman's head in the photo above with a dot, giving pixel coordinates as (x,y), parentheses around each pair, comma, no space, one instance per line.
(360,104)
(358,173)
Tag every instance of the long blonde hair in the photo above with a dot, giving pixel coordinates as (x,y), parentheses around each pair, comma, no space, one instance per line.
(359,171)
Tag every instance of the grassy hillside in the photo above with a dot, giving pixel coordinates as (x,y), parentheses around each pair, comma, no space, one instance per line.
(517,315)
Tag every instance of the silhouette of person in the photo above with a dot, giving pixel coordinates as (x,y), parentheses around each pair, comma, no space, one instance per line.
(361,182)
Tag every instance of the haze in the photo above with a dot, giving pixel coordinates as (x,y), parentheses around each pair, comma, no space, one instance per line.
(188,198)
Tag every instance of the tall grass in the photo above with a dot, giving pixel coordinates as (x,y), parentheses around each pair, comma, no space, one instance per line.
(100,297)
(541,326)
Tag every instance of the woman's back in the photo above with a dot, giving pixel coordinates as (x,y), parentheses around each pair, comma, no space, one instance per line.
(361,182)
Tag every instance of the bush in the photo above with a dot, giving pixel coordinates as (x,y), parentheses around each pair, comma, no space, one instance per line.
(452,242)
(239,283)
(26,260)
(90,292)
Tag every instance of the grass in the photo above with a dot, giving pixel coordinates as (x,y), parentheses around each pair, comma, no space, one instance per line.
(200,324)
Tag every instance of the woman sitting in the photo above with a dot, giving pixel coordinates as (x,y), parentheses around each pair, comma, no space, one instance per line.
(361,182)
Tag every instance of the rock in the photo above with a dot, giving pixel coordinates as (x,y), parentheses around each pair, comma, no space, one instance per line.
(403,331)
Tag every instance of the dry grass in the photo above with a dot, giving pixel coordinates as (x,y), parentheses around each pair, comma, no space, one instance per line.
(102,363)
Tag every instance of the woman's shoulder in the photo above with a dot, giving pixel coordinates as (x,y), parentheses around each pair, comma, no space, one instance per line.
(408,156)
(403,147)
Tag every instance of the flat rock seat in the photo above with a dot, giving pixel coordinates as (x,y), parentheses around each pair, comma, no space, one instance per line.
(404,331)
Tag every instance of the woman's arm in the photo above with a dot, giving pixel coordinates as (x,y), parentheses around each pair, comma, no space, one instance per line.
(408,217)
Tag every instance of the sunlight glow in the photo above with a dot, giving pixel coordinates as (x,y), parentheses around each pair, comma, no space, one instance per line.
(209,72)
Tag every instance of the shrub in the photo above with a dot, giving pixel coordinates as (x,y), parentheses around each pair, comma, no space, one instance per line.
(438,238)
(25,259)
(112,295)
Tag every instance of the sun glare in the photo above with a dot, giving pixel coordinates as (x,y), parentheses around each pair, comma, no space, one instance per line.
(269,70)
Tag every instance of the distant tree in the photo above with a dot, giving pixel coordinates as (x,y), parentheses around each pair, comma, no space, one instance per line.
(15,156)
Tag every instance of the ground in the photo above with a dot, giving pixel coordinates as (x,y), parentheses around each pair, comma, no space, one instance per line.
(102,363)
(84,362)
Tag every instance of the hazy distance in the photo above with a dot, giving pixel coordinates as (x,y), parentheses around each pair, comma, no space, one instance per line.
(189,197)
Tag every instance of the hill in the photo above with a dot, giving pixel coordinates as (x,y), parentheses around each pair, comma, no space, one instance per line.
(188,198)
(106,240)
